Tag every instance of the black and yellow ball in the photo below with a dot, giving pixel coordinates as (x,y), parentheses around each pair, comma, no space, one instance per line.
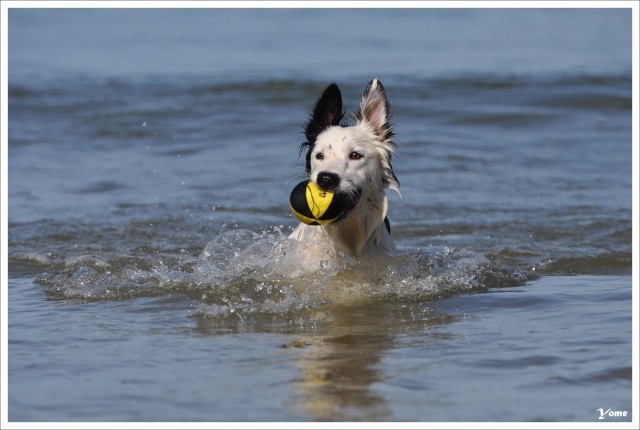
(314,206)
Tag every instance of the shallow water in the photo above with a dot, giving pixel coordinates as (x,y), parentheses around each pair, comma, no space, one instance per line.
(150,277)
(537,352)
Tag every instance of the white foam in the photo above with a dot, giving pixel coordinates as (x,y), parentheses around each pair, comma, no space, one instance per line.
(240,273)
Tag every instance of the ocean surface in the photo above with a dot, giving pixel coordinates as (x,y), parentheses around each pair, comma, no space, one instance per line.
(151,153)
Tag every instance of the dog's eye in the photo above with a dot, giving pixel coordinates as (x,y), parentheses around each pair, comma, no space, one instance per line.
(319,156)
(355,156)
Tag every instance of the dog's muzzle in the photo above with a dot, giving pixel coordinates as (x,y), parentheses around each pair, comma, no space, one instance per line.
(328,181)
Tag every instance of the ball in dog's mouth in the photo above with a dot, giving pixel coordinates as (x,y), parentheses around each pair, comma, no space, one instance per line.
(353,199)
(315,206)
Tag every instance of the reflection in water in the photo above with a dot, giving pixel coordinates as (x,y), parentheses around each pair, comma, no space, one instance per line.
(337,348)
(340,368)
(337,374)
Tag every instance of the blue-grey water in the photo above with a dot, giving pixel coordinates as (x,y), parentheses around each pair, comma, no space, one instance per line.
(151,154)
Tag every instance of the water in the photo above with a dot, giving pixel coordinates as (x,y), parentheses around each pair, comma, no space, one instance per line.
(150,277)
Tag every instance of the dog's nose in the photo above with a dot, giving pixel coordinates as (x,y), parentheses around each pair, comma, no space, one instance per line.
(328,181)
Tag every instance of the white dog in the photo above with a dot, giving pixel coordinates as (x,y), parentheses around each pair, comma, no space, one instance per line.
(355,160)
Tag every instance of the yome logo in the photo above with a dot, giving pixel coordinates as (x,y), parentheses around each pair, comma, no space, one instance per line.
(611,414)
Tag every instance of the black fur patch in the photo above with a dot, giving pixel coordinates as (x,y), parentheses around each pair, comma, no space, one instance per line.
(327,112)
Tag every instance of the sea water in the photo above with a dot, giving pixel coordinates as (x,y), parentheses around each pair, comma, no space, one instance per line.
(151,156)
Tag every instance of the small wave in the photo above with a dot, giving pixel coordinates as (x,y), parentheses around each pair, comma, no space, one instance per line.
(240,274)
(611,263)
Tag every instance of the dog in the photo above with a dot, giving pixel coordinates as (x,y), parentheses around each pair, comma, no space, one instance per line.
(354,160)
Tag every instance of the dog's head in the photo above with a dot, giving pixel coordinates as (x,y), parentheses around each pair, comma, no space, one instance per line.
(351,159)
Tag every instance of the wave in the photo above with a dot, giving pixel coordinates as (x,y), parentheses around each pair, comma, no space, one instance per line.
(242,273)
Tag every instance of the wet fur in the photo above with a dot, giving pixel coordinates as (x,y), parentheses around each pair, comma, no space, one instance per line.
(355,160)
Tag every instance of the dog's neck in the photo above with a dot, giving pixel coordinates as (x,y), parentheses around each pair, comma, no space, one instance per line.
(359,227)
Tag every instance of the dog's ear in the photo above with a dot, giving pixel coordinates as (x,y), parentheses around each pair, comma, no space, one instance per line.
(375,110)
(328,111)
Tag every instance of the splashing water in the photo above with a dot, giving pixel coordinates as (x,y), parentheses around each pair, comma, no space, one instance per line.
(242,273)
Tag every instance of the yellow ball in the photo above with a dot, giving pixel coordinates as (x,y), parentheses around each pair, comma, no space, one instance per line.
(315,206)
